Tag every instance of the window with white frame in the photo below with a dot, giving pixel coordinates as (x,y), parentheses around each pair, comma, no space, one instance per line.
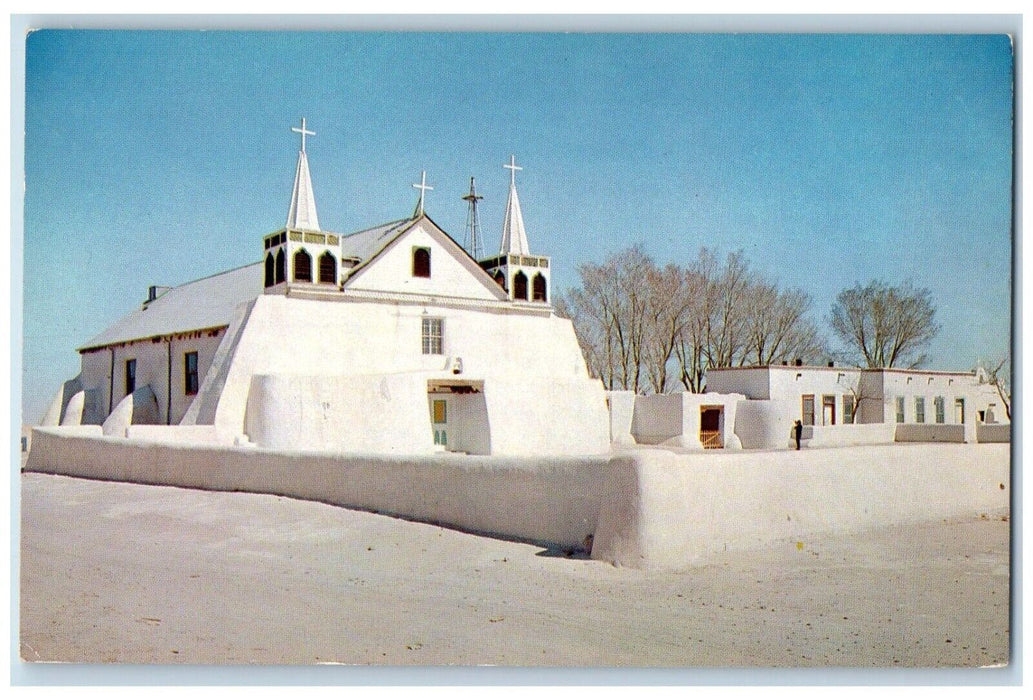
(433,334)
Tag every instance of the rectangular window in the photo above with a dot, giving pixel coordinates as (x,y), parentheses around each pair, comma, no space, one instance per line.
(130,376)
(808,409)
(938,405)
(440,411)
(919,409)
(900,409)
(433,330)
(828,410)
(848,409)
(190,373)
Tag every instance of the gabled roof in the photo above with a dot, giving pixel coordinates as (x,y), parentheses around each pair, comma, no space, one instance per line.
(379,239)
(205,303)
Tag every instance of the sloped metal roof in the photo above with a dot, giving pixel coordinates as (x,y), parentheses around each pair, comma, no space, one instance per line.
(205,303)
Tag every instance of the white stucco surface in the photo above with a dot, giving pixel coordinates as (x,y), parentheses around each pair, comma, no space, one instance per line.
(664,511)
(553,500)
(74,411)
(993,433)
(140,408)
(761,424)
(914,432)
(674,419)
(622,411)
(856,434)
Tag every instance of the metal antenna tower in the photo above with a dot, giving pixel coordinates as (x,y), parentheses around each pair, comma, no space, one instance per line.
(473,225)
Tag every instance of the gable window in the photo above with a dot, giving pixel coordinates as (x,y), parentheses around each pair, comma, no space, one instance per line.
(433,331)
(520,286)
(302,266)
(920,409)
(130,376)
(190,373)
(538,291)
(327,268)
(940,409)
(270,270)
(900,409)
(281,266)
(421,262)
(807,409)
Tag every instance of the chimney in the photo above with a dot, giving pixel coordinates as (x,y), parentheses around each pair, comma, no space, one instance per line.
(831,363)
(799,362)
(152,293)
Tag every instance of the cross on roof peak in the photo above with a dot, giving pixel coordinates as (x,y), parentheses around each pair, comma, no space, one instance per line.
(422,187)
(512,167)
(303,131)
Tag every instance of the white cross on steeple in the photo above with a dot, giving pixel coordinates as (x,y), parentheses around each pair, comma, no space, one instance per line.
(512,167)
(422,187)
(303,131)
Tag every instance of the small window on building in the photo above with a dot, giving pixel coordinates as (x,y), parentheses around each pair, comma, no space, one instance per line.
(190,373)
(919,409)
(848,409)
(130,376)
(538,288)
(807,410)
(520,286)
(433,331)
(302,266)
(440,411)
(421,262)
(500,279)
(940,408)
(900,409)
(327,268)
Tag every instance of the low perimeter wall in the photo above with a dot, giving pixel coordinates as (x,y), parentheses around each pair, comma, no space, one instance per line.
(645,508)
(667,510)
(993,432)
(550,500)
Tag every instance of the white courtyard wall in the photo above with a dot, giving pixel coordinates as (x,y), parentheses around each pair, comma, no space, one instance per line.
(657,418)
(997,432)
(622,412)
(856,434)
(763,424)
(175,434)
(919,432)
(537,389)
(646,508)
(549,500)
(667,511)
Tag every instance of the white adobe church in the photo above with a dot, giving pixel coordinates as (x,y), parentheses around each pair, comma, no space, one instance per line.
(391,339)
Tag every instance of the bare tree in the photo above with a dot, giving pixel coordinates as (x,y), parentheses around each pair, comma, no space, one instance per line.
(1000,378)
(885,326)
(669,304)
(691,347)
(778,327)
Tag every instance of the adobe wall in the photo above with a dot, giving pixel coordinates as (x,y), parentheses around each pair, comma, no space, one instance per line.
(645,508)
(663,511)
(549,500)
(763,424)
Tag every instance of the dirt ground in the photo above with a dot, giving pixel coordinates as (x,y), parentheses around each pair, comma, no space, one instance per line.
(115,572)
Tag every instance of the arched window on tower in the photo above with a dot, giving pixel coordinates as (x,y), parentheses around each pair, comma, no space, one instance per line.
(270,270)
(500,279)
(421,262)
(302,266)
(520,286)
(327,268)
(538,288)
(281,266)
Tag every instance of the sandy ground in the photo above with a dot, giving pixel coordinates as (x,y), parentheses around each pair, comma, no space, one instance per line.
(114,572)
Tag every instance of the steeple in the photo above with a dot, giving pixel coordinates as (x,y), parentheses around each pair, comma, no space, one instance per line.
(302,214)
(514,238)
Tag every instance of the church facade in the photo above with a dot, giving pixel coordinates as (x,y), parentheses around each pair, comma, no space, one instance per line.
(391,339)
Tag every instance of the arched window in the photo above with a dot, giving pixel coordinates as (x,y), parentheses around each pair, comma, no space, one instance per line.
(327,268)
(270,270)
(421,262)
(520,286)
(302,266)
(538,288)
(281,266)
(500,279)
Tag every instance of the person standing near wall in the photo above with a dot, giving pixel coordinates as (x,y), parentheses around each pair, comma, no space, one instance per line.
(798,432)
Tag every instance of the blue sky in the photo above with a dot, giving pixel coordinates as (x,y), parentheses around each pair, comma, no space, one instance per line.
(161,157)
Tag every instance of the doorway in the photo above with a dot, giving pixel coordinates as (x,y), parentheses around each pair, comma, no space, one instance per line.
(959,411)
(710,427)
(828,410)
